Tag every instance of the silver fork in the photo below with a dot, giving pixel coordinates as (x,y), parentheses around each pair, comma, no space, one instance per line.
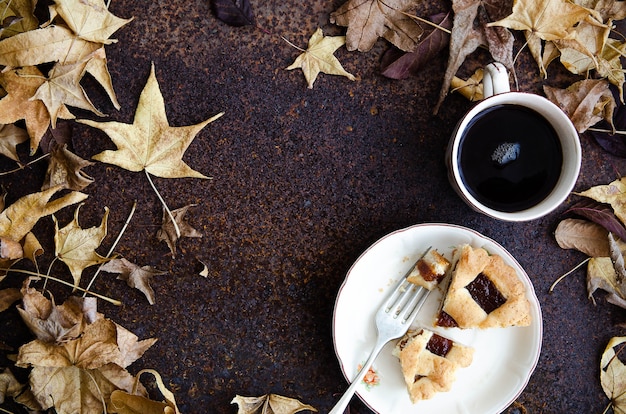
(393,320)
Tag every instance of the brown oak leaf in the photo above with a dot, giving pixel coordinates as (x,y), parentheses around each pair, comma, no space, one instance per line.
(367,20)
(65,170)
(135,276)
(269,404)
(585,102)
(167,232)
(319,57)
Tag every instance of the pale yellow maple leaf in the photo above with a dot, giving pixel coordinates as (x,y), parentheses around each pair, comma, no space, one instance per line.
(89,19)
(613,193)
(76,246)
(547,19)
(62,87)
(150,143)
(269,404)
(319,57)
(613,374)
(135,276)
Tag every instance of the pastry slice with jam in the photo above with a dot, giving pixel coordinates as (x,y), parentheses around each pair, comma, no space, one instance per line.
(429,270)
(484,292)
(429,362)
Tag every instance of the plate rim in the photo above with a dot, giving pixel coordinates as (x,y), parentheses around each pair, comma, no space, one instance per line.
(531,292)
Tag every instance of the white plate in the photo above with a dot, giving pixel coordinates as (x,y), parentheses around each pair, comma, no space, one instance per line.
(504,358)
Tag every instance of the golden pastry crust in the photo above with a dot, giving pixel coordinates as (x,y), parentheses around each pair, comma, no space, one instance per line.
(429,270)
(426,373)
(461,306)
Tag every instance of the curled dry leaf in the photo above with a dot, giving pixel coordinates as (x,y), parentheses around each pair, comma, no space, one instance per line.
(319,57)
(367,20)
(472,88)
(51,323)
(269,404)
(127,403)
(601,275)
(601,214)
(397,64)
(8,297)
(76,247)
(135,276)
(65,170)
(584,236)
(9,385)
(10,137)
(585,102)
(613,374)
(167,232)
(613,193)
(233,12)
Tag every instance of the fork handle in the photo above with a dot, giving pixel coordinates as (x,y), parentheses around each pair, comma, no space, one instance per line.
(343,402)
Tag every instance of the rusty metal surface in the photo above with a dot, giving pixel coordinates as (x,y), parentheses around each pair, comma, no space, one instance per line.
(303,182)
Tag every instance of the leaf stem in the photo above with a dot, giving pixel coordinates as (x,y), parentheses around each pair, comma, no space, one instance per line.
(63,282)
(606,131)
(292,45)
(167,209)
(568,273)
(22,166)
(428,22)
(117,240)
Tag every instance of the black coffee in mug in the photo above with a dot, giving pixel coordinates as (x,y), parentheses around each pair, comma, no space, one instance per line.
(510,157)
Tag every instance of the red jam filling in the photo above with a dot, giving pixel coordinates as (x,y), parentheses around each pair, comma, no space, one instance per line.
(485,293)
(446,321)
(439,345)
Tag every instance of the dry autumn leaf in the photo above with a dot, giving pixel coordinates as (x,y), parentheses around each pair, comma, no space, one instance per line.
(601,275)
(17,17)
(585,102)
(613,193)
(21,85)
(10,137)
(79,375)
(318,57)
(150,144)
(65,170)
(76,247)
(613,374)
(168,231)
(367,20)
(127,403)
(8,297)
(269,404)
(135,276)
(584,236)
(9,385)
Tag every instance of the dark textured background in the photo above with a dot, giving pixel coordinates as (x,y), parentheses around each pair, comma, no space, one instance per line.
(304,181)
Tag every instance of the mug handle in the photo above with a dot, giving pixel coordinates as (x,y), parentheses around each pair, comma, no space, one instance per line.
(495,79)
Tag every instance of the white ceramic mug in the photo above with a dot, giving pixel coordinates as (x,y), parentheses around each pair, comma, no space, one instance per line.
(506,154)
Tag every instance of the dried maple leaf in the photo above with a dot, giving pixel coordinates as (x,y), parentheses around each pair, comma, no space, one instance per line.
(396,64)
(367,20)
(62,87)
(601,275)
(18,219)
(613,193)
(150,144)
(21,85)
(79,375)
(585,102)
(168,233)
(65,170)
(90,20)
(269,404)
(613,374)
(318,57)
(135,276)
(10,137)
(76,247)
(52,323)
(233,12)
(471,30)
(472,88)
(17,17)
(126,403)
